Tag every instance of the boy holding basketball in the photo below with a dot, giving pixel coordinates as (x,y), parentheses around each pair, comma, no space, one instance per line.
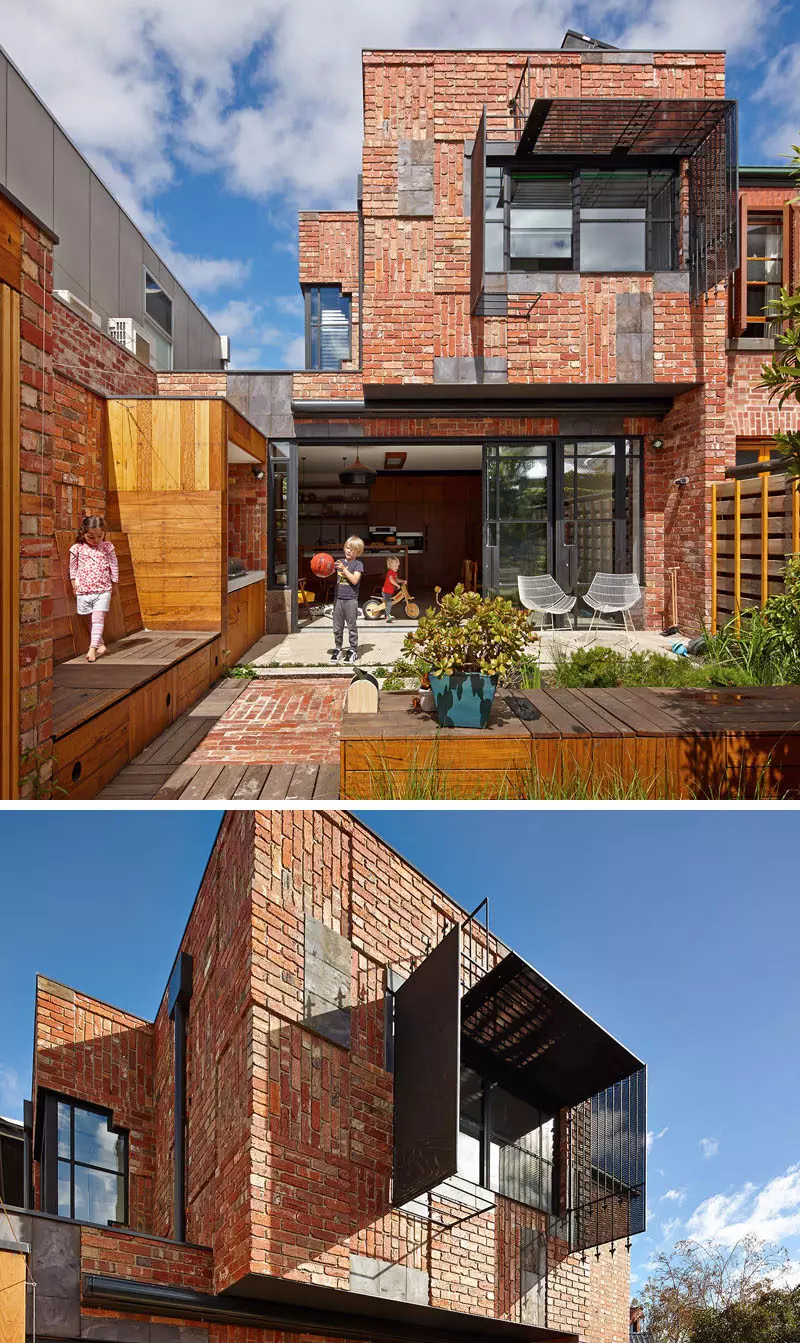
(345,606)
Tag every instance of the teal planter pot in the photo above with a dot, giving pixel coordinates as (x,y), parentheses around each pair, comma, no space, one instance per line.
(464,699)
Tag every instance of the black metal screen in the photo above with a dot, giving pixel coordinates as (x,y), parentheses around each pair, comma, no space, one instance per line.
(604,1156)
(477,170)
(713,207)
(427,1022)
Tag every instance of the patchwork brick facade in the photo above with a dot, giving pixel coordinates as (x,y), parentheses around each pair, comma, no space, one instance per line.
(289,1118)
(561,333)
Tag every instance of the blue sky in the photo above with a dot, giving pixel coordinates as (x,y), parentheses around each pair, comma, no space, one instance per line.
(214,123)
(677,931)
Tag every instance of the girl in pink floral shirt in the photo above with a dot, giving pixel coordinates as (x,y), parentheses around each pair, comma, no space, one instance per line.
(93,569)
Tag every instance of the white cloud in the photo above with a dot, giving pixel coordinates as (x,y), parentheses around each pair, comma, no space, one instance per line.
(709,1147)
(294,353)
(292,304)
(674,1196)
(11,1095)
(780,92)
(770,1212)
(655,1137)
(669,1227)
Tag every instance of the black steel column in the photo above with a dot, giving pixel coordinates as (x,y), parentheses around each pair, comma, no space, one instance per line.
(27,1159)
(179,993)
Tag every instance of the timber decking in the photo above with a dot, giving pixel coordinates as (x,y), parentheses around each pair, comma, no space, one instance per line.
(702,744)
(170,770)
(106,712)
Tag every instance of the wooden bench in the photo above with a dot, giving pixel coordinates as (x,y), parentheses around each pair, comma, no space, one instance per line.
(704,744)
(105,713)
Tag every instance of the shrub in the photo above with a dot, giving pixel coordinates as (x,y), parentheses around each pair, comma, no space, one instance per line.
(466,632)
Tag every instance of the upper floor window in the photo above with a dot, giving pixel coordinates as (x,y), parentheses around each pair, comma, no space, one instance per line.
(158,320)
(764,273)
(327,327)
(505,1144)
(580,219)
(84,1163)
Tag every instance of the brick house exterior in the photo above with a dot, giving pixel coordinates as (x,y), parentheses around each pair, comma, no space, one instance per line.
(293,1002)
(453,351)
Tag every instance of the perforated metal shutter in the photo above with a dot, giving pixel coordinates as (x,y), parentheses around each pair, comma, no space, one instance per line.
(426,1072)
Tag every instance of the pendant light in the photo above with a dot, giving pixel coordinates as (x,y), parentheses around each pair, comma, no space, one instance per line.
(357,474)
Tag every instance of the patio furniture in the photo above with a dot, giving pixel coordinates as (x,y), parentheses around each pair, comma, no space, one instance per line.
(544,595)
(613,594)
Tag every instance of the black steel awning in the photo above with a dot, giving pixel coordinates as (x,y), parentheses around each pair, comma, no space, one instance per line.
(520,1031)
(669,126)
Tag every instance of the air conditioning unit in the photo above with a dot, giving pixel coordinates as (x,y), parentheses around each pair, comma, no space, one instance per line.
(125,331)
(225,349)
(77,304)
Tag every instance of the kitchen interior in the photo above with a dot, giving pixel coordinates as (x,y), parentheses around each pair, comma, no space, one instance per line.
(421,502)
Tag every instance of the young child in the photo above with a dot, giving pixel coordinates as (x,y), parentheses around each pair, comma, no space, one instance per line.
(390,585)
(345,606)
(93,570)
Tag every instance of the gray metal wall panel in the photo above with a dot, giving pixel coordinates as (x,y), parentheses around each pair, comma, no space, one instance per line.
(427,1031)
(72,179)
(194,349)
(210,343)
(105,252)
(131,271)
(3,118)
(64,279)
(180,328)
(29,170)
(151,260)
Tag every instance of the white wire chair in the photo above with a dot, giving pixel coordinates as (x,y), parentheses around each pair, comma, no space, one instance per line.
(544,595)
(613,594)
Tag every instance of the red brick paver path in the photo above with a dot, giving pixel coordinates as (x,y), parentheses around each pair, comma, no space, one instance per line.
(280,720)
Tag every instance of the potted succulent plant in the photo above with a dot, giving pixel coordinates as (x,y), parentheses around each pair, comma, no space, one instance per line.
(465,643)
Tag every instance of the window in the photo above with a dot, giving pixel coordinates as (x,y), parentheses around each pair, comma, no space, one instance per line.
(764,273)
(504,1144)
(751,451)
(158,321)
(327,327)
(84,1163)
(580,219)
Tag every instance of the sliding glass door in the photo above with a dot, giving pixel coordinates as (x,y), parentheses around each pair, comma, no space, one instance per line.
(567,507)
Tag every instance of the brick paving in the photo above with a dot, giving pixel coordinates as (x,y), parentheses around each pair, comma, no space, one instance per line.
(277,721)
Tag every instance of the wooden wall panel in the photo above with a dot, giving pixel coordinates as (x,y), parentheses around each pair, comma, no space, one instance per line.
(168,494)
(12,1297)
(245,435)
(10,245)
(447,508)
(9,541)
(246,619)
(71,631)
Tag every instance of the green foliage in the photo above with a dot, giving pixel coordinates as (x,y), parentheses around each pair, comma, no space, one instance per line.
(765,649)
(240,671)
(774,1317)
(698,1286)
(466,632)
(526,674)
(602,667)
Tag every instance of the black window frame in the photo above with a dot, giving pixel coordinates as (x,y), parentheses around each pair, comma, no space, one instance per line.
(648,168)
(149,278)
(487,1139)
(313,323)
(49,1158)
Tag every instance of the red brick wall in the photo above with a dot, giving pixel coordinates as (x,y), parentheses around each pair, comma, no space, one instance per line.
(192,384)
(290,1135)
(82,352)
(416,270)
(36,512)
(79,461)
(328,254)
(247,516)
(609,1295)
(97,1053)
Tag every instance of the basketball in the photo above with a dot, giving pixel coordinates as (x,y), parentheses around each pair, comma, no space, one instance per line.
(322,565)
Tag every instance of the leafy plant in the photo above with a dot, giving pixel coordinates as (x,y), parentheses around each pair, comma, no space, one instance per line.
(781,378)
(763,646)
(466,632)
(606,667)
